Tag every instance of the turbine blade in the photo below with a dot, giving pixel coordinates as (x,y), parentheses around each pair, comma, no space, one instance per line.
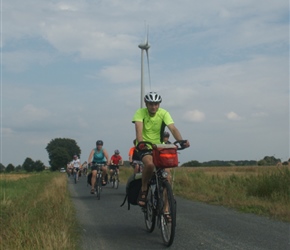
(147,40)
(147,54)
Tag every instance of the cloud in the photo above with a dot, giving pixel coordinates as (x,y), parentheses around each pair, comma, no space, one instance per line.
(6,132)
(233,116)
(22,59)
(126,72)
(194,116)
(260,114)
(33,113)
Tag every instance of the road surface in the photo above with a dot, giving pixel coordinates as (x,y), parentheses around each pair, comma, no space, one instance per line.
(106,225)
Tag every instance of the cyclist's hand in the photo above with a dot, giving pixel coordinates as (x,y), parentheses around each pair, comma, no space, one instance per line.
(185,144)
(142,146)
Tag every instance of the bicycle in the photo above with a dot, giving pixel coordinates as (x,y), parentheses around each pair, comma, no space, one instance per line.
(160,203)
(99,180)
(115,177)
(76,174)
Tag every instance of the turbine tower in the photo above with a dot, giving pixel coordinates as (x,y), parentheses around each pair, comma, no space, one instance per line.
(144,46)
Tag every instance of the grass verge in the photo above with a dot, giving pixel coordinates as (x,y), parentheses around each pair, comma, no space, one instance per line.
(260,190)
(36,213)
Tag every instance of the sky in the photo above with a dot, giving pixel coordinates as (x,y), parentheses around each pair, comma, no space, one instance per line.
(72,69)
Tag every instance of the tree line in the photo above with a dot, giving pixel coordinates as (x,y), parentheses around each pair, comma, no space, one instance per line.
(28,165)
(266,161)
(60,152)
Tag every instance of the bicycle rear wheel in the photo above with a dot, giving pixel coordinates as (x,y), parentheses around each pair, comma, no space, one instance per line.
(167,214)
(150,212)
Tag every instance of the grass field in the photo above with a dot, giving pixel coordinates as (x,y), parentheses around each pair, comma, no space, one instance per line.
(36,212)
(260,190)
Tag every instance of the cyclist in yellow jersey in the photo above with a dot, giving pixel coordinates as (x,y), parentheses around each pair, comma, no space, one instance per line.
(150,123)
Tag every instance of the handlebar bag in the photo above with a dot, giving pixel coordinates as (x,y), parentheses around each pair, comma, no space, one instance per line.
(165,155)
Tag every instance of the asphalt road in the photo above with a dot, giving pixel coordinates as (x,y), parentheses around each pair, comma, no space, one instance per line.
(106,225)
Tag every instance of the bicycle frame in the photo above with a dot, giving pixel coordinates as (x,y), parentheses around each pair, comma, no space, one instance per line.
(115,177)
(98,183)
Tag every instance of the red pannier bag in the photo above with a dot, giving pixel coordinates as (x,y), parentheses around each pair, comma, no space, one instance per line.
(165,155)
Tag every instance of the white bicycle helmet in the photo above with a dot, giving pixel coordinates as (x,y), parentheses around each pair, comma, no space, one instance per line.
(152,97)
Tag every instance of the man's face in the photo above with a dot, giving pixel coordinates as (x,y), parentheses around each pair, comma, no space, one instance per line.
(152,107)
(165,139)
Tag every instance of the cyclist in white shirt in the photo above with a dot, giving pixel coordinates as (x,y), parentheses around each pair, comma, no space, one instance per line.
(76,164)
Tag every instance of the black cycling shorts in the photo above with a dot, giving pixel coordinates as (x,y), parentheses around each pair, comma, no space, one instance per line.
(113,167)
(96,167)
(144,152)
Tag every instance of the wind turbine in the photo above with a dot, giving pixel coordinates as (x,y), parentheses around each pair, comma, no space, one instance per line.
(144,46)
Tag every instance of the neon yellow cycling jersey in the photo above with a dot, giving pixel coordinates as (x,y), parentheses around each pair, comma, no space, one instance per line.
(153,126)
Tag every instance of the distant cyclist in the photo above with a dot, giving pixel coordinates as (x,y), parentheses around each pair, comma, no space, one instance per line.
(76,165)
(69,169)
(134,159)
(85,167)
(166,136)
(150,123)
(116,161)
(98,155)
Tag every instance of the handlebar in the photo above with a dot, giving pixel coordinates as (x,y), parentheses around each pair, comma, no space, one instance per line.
(179,144)
(95,163)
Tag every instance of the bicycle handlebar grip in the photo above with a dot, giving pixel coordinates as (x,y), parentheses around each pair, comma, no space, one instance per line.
(143,145)
(181,144)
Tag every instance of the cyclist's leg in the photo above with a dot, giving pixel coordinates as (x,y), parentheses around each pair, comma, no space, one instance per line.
(147,171)
(169,178)
(93,181)
(146,176)
(136,168)
(105,170)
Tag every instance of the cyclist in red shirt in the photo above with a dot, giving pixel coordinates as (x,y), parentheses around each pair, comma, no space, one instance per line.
(116,161)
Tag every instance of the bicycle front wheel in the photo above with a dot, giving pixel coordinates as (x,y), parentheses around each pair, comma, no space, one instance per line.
(75,178)
(150,212)
(167,214)
(98,188)
(116,183)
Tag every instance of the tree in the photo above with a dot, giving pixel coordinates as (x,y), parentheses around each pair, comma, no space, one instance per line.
(38,166)
(18,168)
(2,168)
(28,165)
(191,164)
(60,152)
(9,168)
(268,161)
